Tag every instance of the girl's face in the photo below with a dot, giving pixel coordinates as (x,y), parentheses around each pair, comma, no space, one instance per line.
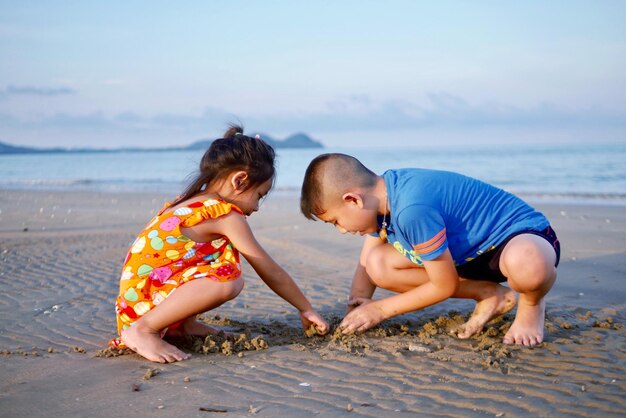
(250,200)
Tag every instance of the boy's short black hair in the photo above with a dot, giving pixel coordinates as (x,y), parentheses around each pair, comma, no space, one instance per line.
(328,176)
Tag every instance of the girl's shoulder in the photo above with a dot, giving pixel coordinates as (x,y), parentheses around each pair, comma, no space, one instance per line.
(194,211)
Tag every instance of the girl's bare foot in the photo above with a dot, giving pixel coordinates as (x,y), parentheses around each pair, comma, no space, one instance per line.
(527,329)
(191,326)
(498,302)
(148,343)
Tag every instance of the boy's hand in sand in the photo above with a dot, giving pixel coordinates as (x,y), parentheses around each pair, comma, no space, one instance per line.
(354,303)
(311,317)
(364,315)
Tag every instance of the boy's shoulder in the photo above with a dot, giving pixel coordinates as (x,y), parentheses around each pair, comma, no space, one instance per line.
(415,184)
(430,180)
(413,189)
(420,190)
(420,173)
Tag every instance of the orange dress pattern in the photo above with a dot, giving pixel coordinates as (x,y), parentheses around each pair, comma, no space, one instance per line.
(161,259)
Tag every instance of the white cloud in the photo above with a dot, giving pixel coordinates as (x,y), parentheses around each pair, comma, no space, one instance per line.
(12,90)
(439,112)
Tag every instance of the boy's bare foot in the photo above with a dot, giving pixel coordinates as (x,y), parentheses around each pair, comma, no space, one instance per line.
(498,302)
(148,343)
(527,329)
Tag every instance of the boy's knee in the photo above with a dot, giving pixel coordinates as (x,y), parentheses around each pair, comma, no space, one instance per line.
(375,266)
(529,261)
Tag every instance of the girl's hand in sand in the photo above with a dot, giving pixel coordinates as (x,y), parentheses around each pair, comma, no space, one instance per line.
(365,314)
(311,317)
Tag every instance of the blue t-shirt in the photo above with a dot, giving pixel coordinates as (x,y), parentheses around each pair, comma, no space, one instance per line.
(433,210)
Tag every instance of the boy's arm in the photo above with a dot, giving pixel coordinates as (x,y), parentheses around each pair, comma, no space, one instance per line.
(362,286)
(444,281)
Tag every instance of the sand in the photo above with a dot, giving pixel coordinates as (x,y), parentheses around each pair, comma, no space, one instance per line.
(60,257)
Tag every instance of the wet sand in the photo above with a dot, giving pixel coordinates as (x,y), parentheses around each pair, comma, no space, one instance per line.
(60,257)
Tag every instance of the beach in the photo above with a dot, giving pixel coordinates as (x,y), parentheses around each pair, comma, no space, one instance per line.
(60,258)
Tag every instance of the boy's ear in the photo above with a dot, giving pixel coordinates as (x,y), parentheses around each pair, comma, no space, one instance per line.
(238,180)
(351,198)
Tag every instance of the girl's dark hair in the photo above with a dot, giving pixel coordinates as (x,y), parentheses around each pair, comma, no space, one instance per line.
(234,152)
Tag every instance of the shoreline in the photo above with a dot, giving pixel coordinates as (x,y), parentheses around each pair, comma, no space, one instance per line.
(553,198)
(60,256)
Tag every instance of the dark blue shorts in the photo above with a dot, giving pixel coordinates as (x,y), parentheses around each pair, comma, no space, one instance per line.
(487,265)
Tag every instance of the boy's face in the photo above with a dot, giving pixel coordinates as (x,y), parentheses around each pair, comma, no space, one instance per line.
(351,216)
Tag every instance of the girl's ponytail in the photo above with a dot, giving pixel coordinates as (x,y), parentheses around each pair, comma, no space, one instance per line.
(234,152)
(233,130)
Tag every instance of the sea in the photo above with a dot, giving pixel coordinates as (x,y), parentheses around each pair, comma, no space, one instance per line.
(562,172)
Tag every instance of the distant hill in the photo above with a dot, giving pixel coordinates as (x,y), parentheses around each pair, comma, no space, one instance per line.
(12,149)
(298,140)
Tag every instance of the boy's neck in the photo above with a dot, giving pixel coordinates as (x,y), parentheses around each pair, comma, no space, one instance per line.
(379,192)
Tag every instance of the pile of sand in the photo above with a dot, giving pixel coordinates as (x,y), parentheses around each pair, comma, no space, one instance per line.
(434,338)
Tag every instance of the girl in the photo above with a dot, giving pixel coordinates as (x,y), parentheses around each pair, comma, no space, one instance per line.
(186,260)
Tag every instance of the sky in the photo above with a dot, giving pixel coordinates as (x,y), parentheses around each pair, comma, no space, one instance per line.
(348,73)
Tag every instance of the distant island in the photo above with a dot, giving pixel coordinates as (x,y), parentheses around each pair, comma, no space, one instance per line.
(298,140)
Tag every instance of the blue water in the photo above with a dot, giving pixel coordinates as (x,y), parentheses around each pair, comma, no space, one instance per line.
(583,171)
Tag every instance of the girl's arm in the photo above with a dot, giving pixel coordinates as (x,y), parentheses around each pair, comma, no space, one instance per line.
(236,228)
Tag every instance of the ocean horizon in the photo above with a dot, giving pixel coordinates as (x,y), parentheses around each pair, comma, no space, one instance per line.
(575,172)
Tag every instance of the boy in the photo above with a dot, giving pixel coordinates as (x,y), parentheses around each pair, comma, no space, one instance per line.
(433,235)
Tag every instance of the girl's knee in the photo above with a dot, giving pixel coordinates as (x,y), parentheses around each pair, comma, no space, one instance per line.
(231,289)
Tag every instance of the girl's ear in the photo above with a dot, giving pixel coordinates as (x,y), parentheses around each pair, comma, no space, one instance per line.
(353,199)
(238,180)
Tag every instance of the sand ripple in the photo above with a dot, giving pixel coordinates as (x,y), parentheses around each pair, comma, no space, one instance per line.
(57,313)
